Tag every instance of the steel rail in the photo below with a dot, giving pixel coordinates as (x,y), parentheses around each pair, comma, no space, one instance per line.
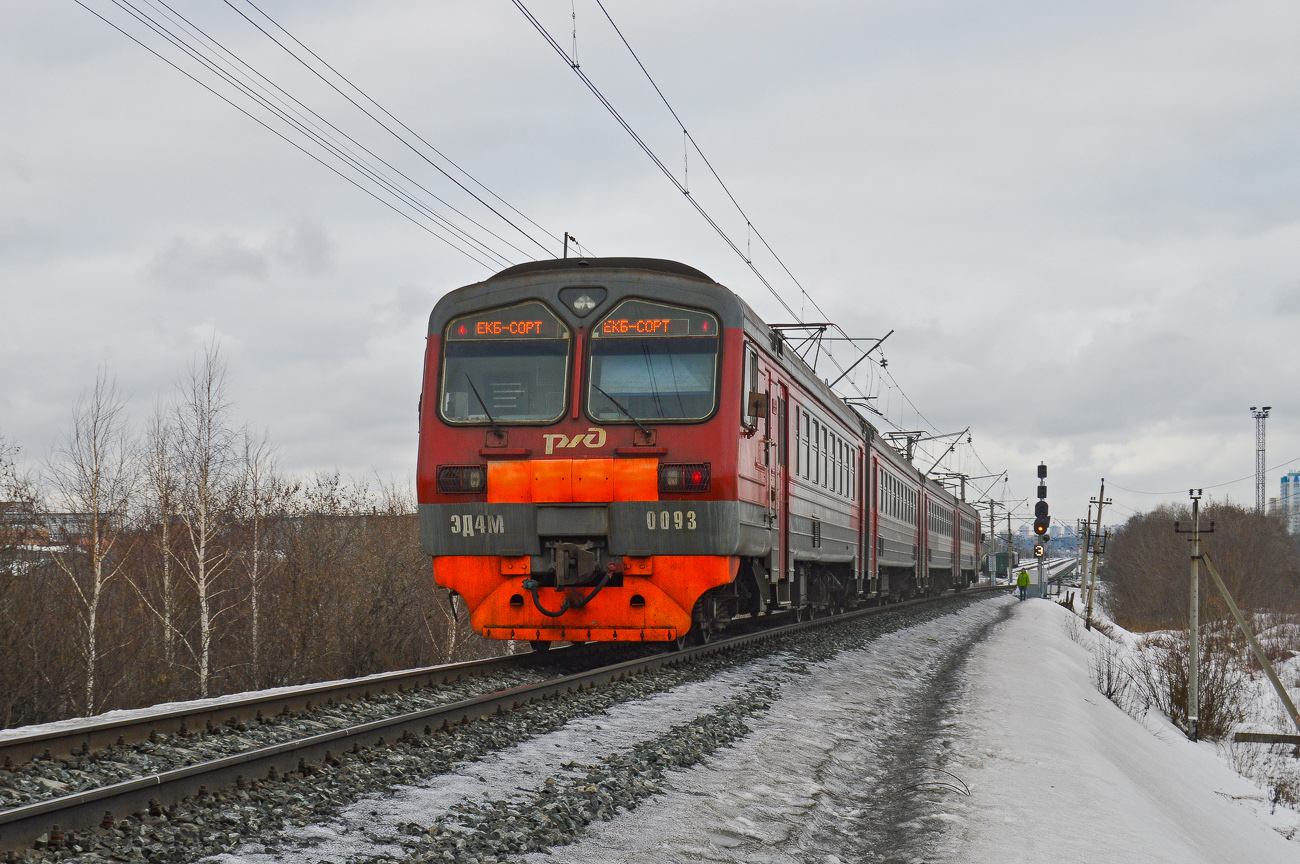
(20,827)
(109,731)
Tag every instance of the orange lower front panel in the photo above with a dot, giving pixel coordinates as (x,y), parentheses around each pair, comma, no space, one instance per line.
(654,607)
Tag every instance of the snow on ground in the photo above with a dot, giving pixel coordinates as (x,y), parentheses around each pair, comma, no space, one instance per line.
(1057,772)
(848,764)
(805,785)
(370,826)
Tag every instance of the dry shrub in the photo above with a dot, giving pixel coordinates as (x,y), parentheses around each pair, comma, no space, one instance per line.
(1111,673)
(1160,678)
(1274,768)
(1074,629)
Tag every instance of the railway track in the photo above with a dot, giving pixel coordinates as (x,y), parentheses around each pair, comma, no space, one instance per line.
(55,818)
(88,737)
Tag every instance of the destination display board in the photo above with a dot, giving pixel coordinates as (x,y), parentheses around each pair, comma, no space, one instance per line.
(641,318)
(525,321)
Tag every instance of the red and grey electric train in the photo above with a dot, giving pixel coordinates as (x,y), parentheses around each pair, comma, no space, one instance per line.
(619,449)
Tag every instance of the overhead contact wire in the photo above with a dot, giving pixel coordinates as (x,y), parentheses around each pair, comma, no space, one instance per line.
(559,49)
(569,61)
(748,223)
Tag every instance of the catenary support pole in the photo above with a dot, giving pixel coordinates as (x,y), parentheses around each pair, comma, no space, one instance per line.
(1011,579)
(1083,554)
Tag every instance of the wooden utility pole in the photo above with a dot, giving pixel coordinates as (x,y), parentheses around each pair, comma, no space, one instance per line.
(1194,616)
(1010,552)
(1101,501)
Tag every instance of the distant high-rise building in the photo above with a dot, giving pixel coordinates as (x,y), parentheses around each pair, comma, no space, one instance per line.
(1289,502)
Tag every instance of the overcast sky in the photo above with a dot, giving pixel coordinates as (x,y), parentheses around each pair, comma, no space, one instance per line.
(1081,220)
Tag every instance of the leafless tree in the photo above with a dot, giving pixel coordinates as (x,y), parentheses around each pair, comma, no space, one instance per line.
(208,472)
(158,461)
(1147,572)
(92,476)
(264,498)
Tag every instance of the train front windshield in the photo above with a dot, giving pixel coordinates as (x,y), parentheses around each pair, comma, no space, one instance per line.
(505,366)
(653,362)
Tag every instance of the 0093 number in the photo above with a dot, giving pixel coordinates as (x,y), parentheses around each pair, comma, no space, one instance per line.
(670,520)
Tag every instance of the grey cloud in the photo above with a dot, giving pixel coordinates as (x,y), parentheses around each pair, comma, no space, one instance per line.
(302,248)
(189,266)
(305,247)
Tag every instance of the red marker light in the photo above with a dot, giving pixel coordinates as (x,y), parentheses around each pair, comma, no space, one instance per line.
(697,477)
(704,325)
(461,330)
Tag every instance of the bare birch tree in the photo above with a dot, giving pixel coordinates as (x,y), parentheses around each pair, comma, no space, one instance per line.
(265,497)
(158,460)
(208,472)
(92,476)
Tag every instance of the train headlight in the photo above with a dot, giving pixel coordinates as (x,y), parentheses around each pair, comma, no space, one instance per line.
(684,477)
(461,479)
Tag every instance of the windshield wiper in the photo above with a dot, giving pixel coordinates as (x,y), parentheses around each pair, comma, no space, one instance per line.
(620,407)
(496,430)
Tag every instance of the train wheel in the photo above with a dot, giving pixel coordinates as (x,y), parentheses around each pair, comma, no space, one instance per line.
(540,645)
(682,642)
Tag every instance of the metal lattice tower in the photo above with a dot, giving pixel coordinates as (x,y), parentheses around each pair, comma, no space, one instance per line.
(1260,415)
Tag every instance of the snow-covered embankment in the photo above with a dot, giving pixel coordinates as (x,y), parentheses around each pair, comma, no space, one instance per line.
(1059,773)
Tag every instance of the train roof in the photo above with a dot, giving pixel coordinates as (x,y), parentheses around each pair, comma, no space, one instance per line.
(655,265)
(669,281)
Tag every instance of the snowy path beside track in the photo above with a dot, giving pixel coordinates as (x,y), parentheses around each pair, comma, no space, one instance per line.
(841,768)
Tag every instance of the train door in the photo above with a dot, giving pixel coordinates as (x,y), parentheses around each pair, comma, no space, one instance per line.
(923,542)
(781,484)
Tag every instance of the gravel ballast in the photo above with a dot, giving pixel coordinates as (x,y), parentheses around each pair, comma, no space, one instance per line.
(45,778)
(277,818)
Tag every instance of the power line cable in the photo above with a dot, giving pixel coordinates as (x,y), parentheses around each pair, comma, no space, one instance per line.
(385,126)
(358,162)
(282,136)
(338,152)
(1250,476)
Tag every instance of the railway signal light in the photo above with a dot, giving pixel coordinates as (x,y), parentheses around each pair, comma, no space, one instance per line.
(1041,519)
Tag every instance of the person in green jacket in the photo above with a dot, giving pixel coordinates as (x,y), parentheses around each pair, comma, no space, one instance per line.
(1022,582)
